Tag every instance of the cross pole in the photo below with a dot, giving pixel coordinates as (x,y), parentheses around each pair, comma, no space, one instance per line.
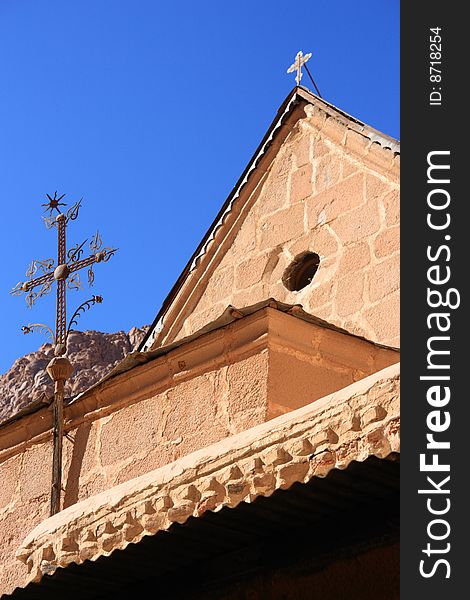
(65,274)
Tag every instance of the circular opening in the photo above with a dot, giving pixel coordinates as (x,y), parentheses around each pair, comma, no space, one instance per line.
(301,271)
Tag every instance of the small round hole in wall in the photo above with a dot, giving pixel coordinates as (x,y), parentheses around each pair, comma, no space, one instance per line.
(301,271)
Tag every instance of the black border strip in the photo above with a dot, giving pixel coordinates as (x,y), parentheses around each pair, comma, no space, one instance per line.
(433,568)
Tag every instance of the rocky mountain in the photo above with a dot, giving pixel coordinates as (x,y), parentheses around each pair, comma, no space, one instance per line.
(92,353)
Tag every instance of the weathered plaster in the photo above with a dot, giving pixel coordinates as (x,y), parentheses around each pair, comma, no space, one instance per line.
(354,423)
(211,387)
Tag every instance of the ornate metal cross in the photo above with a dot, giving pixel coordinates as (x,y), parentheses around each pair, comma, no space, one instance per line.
(299,62)
(65,273)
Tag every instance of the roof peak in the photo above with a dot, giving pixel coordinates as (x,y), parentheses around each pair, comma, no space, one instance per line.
(297,95)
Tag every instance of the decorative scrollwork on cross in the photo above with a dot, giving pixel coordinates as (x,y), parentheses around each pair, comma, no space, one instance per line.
(74,282)
(101,254)
(72,212)
(83,308)
(41,328)
(96,242)
(64,271)
(75,253)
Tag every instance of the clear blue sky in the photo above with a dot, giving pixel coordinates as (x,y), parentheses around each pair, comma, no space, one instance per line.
(150,110)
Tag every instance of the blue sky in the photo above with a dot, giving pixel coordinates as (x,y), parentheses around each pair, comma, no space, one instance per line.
(150,111)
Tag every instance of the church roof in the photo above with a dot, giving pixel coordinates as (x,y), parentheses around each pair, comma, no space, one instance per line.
(135,359)
(229,315)
(343,514)
(299,95)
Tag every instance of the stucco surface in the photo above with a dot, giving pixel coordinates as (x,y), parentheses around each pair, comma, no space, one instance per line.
(354,423)
(211,388)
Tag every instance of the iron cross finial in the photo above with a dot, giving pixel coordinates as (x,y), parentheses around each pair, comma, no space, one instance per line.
(64,272)
(299,62)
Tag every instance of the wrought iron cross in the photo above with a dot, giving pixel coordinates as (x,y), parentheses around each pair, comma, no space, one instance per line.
(65,273)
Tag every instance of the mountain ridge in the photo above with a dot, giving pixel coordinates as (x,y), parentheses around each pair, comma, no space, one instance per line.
(92,353)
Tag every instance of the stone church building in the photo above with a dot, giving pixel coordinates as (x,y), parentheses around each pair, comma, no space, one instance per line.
(250,448)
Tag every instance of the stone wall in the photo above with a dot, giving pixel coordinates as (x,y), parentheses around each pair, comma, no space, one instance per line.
(101,452)
(331,191)
(347,426)
(199,393)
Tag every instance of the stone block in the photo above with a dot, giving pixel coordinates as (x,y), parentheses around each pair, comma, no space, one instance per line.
(203,316)
(276,456)
(376,187)
(9,477)
(249,296)
(316,116)
(355,328)
(355,257)
(247,390)
(292,473)
(387,242)
(348,167)
(334,130)
(264,483)
(162,454)
(324,312)
(191,405)
(322,464)
(284,162)
(278,263)
(328,172)
(274,195)
(220,285)
(337,200)
(282,226)
(358,224)
(384,318)
(391,204)
(384,278)
(37,459)
(13,529)
(301,184)
(319,148)
(131,431)
(356,143)
(319,295)
(244,242)
(301,150)
(250,271)
(373,414)
(349,294)
(380,157)
(303,244)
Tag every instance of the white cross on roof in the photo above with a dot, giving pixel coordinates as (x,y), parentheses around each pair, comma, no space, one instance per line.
(299,61)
